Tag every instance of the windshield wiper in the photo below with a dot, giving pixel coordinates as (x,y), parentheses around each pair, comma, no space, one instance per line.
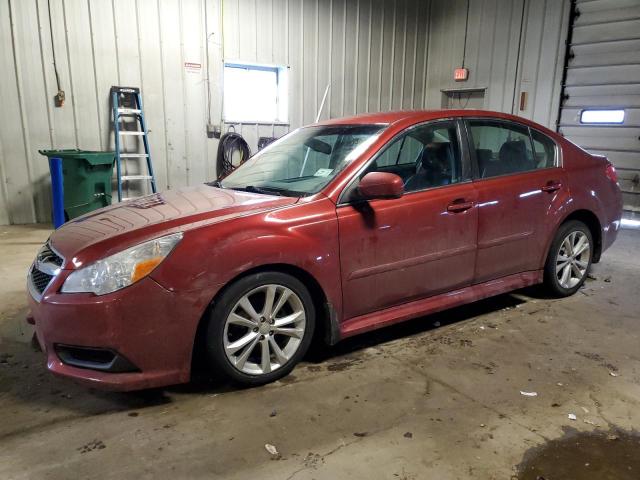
(285,192)
(254,189)
(270,191)
(215,183)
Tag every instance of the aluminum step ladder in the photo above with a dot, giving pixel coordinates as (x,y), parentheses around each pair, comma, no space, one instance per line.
(127,103)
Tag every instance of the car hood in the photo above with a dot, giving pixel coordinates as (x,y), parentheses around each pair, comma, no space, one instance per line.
(111,229)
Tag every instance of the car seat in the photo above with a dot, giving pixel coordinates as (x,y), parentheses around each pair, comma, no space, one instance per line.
(513,157)
(484,156)
(433,169)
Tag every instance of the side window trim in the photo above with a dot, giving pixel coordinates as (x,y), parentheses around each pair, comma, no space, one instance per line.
(533,145)
(465,161)
(470,164)
(472,149)
(404,140)
(556,147)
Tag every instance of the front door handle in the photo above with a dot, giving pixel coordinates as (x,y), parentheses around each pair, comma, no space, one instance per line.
(459,205)
(552,186)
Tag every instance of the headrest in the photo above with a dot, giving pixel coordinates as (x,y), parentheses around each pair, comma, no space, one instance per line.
(512,151)
(435,154)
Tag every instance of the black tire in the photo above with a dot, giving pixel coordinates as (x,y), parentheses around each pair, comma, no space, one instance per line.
(551,280)
(224,306)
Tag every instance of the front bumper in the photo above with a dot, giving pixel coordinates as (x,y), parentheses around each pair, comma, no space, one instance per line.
(151,327)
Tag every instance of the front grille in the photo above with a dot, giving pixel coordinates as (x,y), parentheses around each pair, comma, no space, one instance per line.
(46,266)
(46,254)
(39,279)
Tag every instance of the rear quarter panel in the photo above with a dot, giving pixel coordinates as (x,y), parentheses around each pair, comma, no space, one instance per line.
(592,190)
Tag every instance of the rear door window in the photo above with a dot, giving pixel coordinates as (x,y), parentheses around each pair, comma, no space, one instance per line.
(502,148)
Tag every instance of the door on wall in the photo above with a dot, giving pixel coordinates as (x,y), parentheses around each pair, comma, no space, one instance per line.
(601,106)
(464,98)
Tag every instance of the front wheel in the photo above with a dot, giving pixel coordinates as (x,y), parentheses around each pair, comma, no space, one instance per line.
(569,259)
(260,328)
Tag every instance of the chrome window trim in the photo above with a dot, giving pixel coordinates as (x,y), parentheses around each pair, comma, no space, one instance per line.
(455,120)
(482,179)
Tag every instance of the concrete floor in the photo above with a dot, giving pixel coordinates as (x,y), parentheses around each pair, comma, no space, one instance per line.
(439,397)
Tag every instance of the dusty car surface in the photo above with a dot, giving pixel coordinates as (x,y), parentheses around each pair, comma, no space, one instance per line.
(335,229)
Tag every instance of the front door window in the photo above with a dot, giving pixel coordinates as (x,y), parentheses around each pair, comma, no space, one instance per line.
(426,156)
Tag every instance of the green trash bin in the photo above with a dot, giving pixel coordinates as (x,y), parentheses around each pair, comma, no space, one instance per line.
(86,178)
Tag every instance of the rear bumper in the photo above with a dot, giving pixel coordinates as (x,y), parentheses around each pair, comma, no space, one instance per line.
(614,214)
(610,234)
(149,330)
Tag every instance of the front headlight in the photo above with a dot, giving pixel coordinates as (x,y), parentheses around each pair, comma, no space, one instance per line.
(121,269)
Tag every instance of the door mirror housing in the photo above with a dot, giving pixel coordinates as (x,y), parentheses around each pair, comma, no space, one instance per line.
(380,185)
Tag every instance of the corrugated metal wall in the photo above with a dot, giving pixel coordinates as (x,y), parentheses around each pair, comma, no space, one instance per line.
(377,55)
(604,72)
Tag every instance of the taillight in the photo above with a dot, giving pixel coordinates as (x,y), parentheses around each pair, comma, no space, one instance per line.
(611,173)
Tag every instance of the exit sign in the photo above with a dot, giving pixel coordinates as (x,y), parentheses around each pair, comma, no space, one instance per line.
(461,74)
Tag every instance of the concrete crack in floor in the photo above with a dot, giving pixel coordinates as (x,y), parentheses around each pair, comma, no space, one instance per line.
(41,427)
(598,406)
(344,444)
(467,396)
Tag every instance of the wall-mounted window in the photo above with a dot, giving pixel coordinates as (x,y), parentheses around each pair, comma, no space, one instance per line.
(255,93)
(602,116)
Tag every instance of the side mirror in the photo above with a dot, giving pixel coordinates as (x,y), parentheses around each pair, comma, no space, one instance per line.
(381,185)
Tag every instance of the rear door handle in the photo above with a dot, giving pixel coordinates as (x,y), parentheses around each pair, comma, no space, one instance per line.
(459,205)
(552,187)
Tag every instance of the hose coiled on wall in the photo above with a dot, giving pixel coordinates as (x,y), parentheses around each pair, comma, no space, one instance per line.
(230,143)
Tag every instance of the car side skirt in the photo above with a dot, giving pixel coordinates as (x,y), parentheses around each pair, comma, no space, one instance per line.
(426,306)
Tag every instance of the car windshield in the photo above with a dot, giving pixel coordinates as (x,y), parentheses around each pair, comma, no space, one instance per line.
(303,162)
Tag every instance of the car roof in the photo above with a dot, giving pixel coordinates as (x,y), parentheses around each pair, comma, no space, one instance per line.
(416,116)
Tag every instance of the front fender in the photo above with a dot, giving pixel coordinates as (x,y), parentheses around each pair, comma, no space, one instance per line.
(304,235)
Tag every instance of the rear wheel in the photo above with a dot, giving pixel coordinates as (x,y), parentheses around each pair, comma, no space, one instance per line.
(569,259)
(260,328)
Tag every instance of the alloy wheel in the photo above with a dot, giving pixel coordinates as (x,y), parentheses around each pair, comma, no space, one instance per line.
(573,259)
(264,329)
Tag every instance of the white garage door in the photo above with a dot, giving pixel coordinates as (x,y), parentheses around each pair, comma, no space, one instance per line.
(601,107)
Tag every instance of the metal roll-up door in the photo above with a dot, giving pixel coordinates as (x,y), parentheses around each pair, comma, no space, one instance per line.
(603,73)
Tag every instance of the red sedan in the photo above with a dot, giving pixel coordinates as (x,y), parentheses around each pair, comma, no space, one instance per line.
(335,229)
